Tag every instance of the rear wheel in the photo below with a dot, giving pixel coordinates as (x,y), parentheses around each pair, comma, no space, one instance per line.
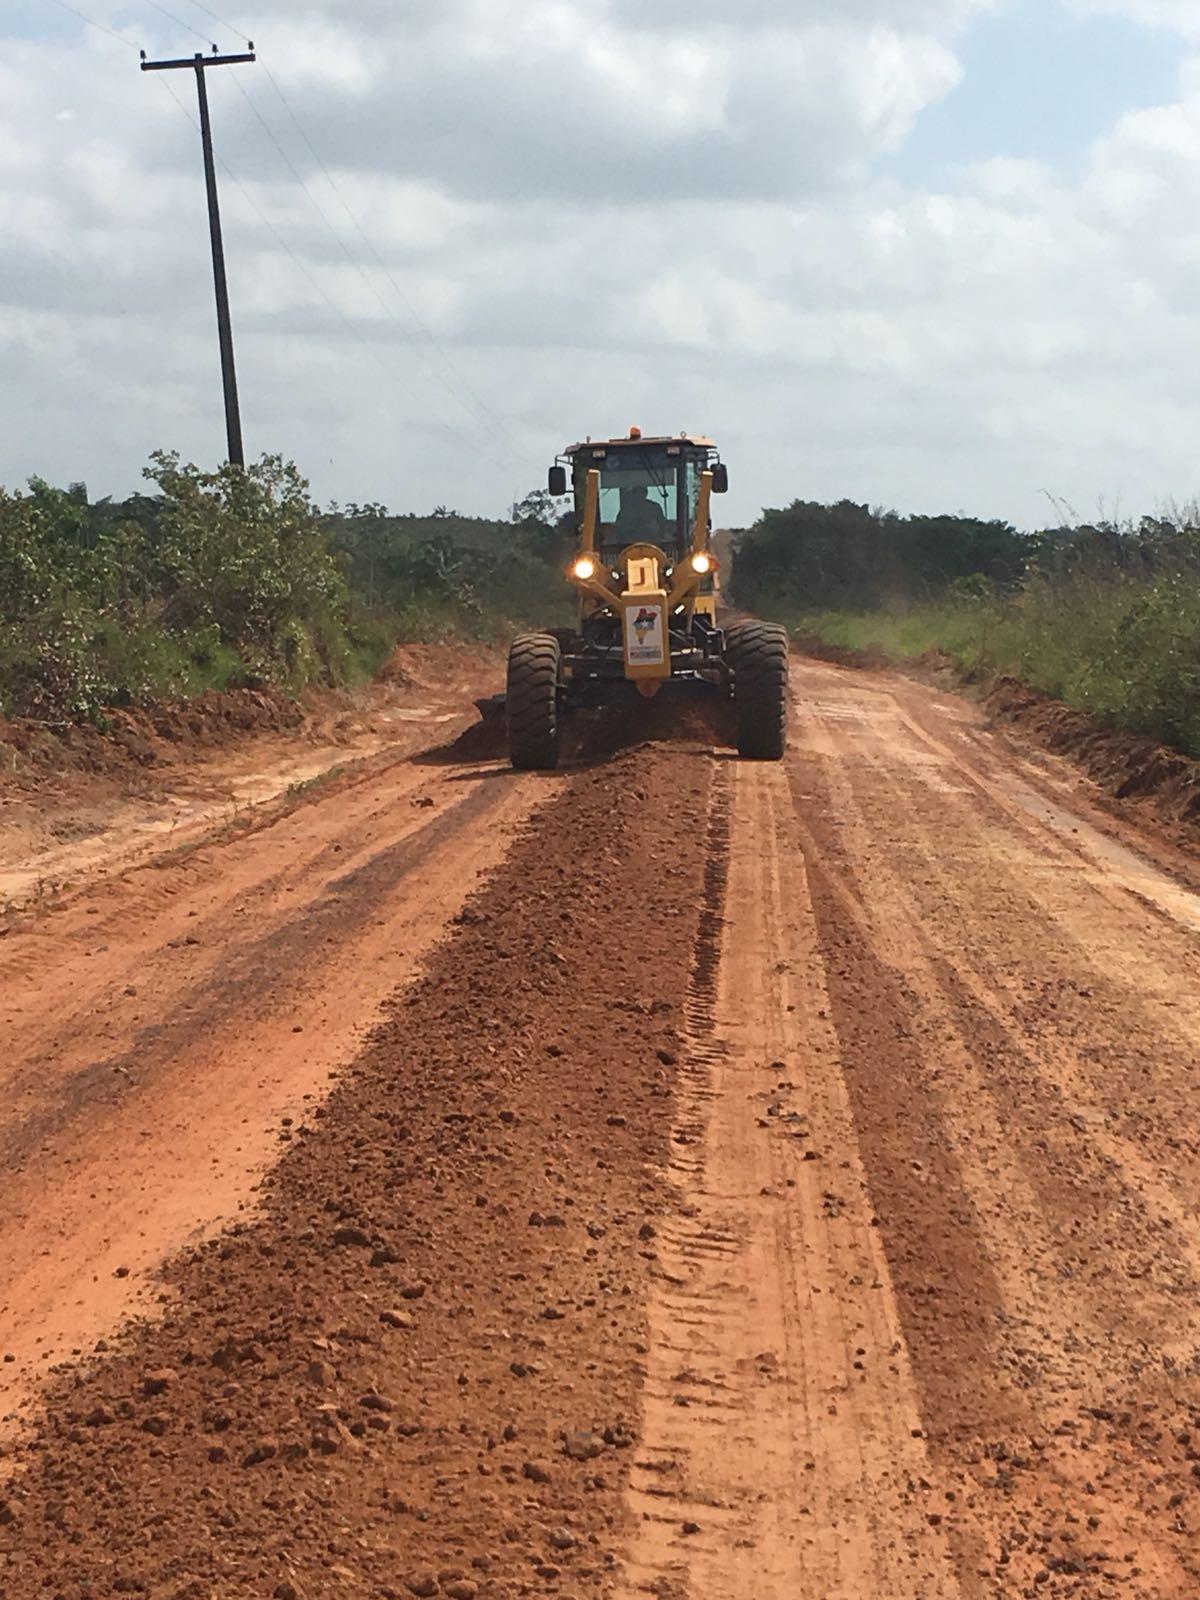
(759,657)
(534,668)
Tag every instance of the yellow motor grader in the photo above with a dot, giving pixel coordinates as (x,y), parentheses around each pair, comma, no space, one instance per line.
(647,580)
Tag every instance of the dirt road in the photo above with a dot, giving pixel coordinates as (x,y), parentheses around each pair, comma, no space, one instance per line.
(779,1181)
(167,1028)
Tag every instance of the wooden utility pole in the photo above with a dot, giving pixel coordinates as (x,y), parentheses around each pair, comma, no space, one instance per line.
(200,65)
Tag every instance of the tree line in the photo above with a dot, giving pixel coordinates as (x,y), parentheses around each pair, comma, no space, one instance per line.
(230,578)
(851,557)
(1105,615)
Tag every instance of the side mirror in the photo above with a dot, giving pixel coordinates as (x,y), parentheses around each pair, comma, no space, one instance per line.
(557,482)
(720,478)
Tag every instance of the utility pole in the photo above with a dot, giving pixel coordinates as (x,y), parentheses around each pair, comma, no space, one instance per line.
(200,65)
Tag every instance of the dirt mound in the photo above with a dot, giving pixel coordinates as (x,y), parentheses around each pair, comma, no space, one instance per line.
(597,734)
(600,733)
(126,738)
(442,666)
(1126,765)
(419,1371)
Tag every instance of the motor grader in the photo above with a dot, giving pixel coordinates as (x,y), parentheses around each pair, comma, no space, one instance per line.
(647,580)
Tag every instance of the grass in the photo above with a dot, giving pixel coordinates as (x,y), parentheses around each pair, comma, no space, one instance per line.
(1125,649)
(900,635)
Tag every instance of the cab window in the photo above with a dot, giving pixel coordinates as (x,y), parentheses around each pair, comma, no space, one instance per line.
(619,488)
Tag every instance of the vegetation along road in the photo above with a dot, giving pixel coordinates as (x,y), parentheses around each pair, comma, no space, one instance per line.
(673,1176)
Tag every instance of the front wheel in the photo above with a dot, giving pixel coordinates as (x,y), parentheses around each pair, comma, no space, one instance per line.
(534,669)
(760,690)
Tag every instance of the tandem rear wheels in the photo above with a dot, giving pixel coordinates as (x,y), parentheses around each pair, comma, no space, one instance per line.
(758,653)
(534,720)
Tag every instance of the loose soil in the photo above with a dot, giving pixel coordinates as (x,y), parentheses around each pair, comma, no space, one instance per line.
(779,1180)
(76,801)
(419,1365)
(1161,781)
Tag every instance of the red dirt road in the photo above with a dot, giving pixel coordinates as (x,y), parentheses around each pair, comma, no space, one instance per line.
(164,1030)
(779,1181)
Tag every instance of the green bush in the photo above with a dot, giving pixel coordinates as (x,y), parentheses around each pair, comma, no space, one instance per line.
(1125,649)
(450,575)
(1105,618)
(230,578)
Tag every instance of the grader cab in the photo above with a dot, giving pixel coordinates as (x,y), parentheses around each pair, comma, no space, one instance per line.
(647,580)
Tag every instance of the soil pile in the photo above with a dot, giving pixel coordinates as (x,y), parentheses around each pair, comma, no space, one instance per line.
(417,1373)
(1126,765)
(130,737)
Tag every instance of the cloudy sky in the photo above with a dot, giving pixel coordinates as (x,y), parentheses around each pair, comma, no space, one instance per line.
(935,254)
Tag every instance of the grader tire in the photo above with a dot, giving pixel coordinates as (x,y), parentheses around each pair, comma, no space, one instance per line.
(760,690)
(534,667)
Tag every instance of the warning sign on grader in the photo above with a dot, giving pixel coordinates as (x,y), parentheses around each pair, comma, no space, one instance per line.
(646,643)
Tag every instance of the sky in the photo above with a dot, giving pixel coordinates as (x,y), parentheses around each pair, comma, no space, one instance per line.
(936,255)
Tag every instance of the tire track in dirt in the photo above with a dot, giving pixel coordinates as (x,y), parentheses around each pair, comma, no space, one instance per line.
(783,1449)
(1009,985)
(1057,1087)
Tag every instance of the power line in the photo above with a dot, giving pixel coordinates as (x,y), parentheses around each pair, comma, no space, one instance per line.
(209,12)
(452,388)
(481,404)
(427,332)
(301,268)
(100,27)
(355,264)
(179,22)
(354,332)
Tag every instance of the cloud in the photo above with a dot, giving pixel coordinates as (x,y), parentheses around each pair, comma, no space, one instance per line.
(528,221)
(1179,16)
(566,100)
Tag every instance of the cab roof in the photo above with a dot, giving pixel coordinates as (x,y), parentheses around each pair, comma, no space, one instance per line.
(635,441)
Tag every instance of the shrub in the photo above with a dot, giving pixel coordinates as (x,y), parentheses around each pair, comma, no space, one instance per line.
(233,577)
(1106,618)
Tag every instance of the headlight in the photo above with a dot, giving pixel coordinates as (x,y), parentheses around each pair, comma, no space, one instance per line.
(585,568)
(701,564)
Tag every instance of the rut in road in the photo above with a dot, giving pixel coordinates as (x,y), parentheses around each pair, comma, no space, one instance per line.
(926,1324)
(782,1449)
(1013,979)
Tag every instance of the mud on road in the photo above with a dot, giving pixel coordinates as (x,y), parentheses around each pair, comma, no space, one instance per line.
(774,1181)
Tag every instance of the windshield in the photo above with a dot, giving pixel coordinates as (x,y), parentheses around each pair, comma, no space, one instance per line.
(646,497)
(640,497)
(630,483)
